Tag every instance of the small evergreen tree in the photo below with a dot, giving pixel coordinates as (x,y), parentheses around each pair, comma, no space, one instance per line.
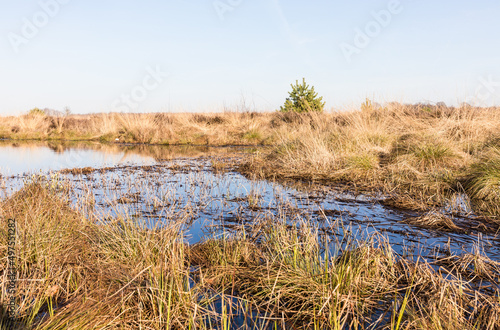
(36,112)
(303,99)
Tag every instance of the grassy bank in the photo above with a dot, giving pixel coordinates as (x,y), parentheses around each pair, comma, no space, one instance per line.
(156,128)
(87,273)
(420,156)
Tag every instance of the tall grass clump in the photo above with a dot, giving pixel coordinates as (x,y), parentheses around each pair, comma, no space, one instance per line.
(483,183)
(287,275)
(316,288)
(51,250)
(427,152)
(77,274)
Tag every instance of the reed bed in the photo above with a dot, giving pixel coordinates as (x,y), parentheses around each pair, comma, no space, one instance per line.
(92,272)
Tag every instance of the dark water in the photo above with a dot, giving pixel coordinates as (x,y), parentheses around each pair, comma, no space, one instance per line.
(160,184)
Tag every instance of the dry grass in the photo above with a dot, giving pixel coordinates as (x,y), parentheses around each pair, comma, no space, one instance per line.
(473,267)
(117,274)
(419,158)
(418,155)
(157,128)
(289,275)
(434,220)
(74,274)
(483,181)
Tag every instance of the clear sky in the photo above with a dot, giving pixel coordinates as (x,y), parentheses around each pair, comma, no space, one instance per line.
(207,55)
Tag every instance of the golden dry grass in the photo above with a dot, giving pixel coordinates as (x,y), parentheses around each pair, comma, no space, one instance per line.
(116,274)
(419,156)
(434,220)
(158,128)
(77,274)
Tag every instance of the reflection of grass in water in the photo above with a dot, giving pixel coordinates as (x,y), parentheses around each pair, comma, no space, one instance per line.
(105,274)
(157,152)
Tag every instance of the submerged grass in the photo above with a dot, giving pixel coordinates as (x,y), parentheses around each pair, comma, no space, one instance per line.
(91,273)
(434,220)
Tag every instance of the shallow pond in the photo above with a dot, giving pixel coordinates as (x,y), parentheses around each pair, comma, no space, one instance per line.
(158,184)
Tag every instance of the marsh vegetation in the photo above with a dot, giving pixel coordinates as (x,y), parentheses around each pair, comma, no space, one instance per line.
(421,155)
(80,269)
(381,218)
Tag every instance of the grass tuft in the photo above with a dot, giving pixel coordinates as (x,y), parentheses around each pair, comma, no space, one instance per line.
(483,184)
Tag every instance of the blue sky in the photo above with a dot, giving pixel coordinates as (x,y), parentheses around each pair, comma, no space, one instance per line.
(194,55)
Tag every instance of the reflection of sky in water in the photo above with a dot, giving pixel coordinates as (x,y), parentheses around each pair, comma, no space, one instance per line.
(25,159)
(206,200)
